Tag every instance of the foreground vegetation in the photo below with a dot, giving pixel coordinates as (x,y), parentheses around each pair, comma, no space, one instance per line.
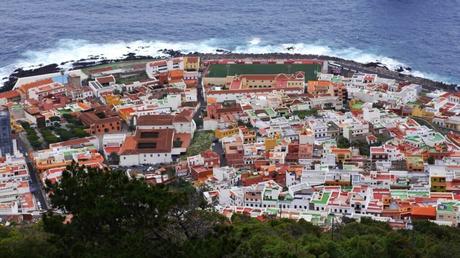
(113,216)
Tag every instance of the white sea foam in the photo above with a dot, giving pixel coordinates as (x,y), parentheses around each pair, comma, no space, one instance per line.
(255,41)
(67,50)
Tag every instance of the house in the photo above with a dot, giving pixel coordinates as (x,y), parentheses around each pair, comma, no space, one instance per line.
(182,122)
(103,85)
(234,154)
(9,96)
(341,154)
(101,120)
(83,151)
(423,212)
(147,146)
(157,69)
(191,63)
(111,143)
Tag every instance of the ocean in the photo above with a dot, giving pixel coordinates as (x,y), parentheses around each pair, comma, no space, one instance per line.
(421,34)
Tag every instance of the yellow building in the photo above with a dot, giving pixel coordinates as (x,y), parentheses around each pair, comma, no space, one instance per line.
(221,133)
(341,154)
(112,100)
(438,183)
(126,113)
(270,143)
(419,112)
(191,63)
(415,163)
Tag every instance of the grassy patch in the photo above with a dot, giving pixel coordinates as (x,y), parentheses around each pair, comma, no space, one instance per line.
(131,79)
(31,135)
(49,136)
(201,141)
(305,113)
(220,70)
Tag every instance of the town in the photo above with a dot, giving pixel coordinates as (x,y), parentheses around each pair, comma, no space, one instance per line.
(267,138)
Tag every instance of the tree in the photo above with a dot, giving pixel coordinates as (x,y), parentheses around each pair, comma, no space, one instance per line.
(79,132)
(64,134)
(114,158)
(55,119)
(68,116)
(177,143)
(114,216)
(25,125)
(305,113)
(25,241)
(431,160)
(363,146)
(49,136)
(343,142)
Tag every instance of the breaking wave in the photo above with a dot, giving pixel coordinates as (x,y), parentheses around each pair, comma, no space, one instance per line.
(69,50)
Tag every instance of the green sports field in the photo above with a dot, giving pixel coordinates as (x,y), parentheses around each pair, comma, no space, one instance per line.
(222,70)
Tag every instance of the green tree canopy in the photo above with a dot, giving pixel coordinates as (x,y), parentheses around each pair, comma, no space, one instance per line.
(112,215)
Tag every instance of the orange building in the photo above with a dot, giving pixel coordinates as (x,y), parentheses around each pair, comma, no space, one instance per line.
(423,212)
(101,121)
(341,155)
(318,88)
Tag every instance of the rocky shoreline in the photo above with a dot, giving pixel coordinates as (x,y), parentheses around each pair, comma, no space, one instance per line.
(374,67)
(346,64)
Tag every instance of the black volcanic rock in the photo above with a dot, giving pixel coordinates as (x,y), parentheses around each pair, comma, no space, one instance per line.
(20,72)
(399,69)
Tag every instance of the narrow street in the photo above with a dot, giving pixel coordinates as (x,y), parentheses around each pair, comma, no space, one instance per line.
(201,102)
(217,148)
(36,186)
(216,145)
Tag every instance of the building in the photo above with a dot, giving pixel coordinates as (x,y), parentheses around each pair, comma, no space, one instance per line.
(83,151)
(6,143)
(101,121)
(147,146)
(182,122)
(15,195)
(159,69)
(39,92)
(191,63)
(105,84)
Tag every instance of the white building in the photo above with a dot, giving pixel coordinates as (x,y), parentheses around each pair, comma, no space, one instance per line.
(154,146)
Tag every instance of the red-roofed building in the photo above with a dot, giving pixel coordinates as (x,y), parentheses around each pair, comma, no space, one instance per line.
(106,80)
(101,121)
(147,146)
(8,96)
(423,212)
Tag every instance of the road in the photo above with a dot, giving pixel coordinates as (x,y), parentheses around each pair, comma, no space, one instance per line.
(217,148)
(36,186)
(201,102)
(392,75)
(216,145)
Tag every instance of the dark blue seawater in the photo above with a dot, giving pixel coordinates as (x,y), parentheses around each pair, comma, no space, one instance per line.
(419,33)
